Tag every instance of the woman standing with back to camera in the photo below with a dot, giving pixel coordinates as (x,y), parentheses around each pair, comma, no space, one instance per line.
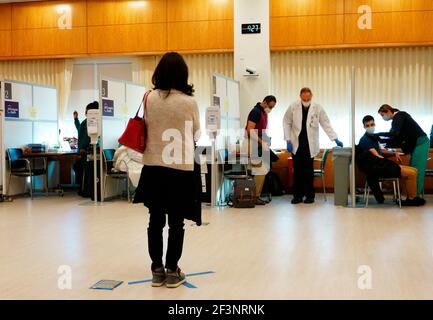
(167,183)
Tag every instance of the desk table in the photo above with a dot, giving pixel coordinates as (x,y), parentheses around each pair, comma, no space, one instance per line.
(65,159)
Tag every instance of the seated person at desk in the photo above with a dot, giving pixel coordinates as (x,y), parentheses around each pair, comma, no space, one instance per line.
(85,148)
(375,169)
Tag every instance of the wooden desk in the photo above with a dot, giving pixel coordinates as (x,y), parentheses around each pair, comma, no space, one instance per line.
(66,161)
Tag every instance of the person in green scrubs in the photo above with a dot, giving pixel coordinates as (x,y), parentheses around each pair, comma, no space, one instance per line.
(406,134)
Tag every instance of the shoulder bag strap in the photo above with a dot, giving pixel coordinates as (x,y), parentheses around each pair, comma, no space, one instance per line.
(143,103)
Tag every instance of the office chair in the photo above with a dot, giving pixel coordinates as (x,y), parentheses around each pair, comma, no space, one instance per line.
(232,171)
(320,173)
(428,174)
(22,167)
(396,187)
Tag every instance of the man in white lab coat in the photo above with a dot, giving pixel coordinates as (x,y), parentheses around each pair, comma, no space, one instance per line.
(301,129)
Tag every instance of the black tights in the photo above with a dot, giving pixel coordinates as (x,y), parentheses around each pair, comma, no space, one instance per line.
(155,240)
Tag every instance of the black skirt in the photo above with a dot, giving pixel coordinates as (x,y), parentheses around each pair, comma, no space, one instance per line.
(168,190)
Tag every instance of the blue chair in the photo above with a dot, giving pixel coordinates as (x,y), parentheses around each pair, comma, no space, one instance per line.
(22,167)
(320,173)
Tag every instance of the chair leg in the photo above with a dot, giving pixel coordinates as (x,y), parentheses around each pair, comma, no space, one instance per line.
(127,188)
(395,191)
(105,186)
(365,191)
(398,193)
(46,184)
(324,188)
(9,184)
(31,187)
(367,196)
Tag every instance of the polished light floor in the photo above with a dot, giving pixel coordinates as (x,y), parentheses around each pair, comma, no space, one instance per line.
(275,252)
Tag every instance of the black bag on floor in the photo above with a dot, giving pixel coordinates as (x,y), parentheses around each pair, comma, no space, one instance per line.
(272,185)
(244,194)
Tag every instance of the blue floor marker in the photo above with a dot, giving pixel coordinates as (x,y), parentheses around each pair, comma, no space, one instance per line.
(189,285)
(186,284)
(199,274)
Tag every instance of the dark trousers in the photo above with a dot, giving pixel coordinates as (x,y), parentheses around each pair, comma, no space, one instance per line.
(175,239)
(78,169)
(373,183)
(303,175)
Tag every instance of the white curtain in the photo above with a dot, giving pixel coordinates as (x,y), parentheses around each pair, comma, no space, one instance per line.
(56,73)
(401,77)
(201,67)
(142,69)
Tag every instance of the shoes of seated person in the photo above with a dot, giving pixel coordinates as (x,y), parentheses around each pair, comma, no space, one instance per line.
(260,202)
(422,200)
(415,202)
(297,200)
(380,200)
(309,200)
(266,201)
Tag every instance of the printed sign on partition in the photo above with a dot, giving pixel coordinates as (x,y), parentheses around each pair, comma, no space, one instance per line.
(108,108)
(216,101)
(8,91)
(104,92)
(12,109)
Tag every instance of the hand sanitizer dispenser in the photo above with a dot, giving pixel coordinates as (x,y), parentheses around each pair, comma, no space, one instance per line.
(93,125)
(213,121)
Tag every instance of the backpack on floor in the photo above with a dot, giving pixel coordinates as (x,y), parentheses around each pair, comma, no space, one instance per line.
(244,194)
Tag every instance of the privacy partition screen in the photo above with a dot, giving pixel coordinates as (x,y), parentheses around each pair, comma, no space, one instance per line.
(226,96)
(119,102)
(30,114)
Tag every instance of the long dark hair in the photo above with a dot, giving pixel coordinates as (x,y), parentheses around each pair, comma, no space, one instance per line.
(386,107)
(172,73)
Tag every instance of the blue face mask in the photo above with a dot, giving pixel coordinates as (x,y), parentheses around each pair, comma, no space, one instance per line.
(386,117)
(370,130)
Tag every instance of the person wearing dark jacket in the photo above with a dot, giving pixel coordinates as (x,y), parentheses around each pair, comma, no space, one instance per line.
(78,165)
(374,162)
(84,148)
(431,137)
(406,134)
(170,179)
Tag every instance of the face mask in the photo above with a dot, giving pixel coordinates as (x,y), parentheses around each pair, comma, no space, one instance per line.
(306,103)
(371,130)
(268,110)
(386,117)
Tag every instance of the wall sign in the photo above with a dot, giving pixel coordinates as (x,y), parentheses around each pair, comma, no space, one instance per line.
(8,91)
(104,87)
(12,109)
(251,28)
(108,108)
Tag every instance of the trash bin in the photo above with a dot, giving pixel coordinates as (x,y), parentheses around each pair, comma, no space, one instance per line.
(342,158)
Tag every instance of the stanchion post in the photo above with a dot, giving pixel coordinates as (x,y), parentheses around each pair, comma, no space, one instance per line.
(353,116)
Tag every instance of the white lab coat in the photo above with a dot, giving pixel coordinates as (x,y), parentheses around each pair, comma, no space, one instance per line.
(292,123)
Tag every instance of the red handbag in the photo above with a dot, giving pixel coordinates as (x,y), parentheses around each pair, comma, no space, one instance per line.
(135,134)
